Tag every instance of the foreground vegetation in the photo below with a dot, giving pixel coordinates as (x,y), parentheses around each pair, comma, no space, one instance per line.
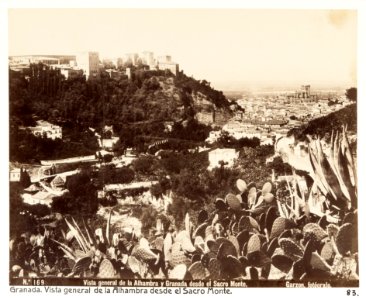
(257,232)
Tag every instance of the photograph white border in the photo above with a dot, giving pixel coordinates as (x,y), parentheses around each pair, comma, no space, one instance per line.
(360,6)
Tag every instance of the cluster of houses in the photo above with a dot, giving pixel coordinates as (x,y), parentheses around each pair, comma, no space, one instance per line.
(286,105)
(46,129)
(45,184)
(270,116)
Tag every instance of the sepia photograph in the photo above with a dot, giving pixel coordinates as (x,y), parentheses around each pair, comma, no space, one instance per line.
(182,148)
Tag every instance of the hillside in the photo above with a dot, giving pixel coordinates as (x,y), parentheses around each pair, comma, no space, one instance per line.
(149,96)
(323,126)
(150,105)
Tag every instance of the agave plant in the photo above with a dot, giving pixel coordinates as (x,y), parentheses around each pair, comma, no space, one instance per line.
(334,189)
(87,253)
(99,253)
(335,175)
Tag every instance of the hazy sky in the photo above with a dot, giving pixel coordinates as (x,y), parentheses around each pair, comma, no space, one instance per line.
(227,47)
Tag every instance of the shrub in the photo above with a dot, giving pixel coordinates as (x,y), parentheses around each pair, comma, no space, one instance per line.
(143,164)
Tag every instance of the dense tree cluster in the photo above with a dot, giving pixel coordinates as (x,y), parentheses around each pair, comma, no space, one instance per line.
(109,174)
(81,200)
(144,165)
(27,148)
(204,87)
(228,141)
(279,166)
(351,94)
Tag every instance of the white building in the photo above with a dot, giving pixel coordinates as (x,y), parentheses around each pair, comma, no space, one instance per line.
(89,63)
(108,143)
(117,62)
(164,58)
(68,71)
(171,66)
(131,58)
(213,136)
(148,58)
(45,128)
(240,130)
(58,183)
(226,155)
(165,63)
(14,175)
(115,74)
(128,73)
(34,59)
(42,197)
